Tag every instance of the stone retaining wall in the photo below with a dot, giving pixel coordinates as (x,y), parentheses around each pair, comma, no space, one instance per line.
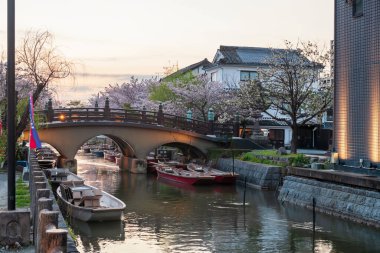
(356,204)
(258,175)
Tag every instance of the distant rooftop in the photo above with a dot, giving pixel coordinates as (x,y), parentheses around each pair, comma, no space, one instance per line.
(243,55)
(205,63)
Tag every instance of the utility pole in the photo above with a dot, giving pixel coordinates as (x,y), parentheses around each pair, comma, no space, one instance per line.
(11,108)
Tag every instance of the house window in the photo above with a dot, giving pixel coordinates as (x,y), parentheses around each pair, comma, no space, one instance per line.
(213,76)
(357,8)
(248,75)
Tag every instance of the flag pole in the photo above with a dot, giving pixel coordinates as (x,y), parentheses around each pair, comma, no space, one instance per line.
(11,108)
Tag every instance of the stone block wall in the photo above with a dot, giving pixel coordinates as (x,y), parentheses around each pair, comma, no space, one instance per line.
(352,203)
(258,175)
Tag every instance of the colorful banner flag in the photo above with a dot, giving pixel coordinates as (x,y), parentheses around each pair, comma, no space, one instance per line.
(34,139)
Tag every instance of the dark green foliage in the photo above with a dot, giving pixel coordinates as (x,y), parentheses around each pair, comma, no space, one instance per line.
(299,160)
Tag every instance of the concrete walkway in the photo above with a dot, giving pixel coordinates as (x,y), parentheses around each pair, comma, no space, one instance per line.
(3,190)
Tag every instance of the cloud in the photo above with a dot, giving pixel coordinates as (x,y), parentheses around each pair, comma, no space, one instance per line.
(81,88)
(114,76)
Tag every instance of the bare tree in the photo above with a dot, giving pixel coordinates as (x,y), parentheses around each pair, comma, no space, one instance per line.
(289,85)
(39,63)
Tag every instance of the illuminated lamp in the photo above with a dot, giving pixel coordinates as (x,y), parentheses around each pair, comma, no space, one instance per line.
(334,157)
(61,117)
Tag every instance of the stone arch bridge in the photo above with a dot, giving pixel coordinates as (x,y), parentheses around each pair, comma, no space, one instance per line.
(136,132)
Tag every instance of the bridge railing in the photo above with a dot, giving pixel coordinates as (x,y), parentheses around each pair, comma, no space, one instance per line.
(139,117)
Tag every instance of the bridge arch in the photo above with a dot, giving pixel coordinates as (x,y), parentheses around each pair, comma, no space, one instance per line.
(124,146)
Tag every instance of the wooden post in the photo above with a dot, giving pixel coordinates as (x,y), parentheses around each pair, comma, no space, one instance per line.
(47,220)
(314,202)
(37,180)
(57,239)
(42,203)
(43,193)
(107,109)
(50,111)
(143,115)
(245,189)
(37,186)
(236,126)
(160,115)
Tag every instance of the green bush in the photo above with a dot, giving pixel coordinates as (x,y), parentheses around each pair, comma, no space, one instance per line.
(260,156)
(250,157)
(299,160)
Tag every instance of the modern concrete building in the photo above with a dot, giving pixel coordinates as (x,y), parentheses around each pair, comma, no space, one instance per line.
(357,82)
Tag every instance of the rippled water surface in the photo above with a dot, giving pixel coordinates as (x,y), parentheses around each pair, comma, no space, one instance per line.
(167,217)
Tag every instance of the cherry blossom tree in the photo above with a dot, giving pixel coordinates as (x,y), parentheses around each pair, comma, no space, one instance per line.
(133,94)
(289,86)
(38,64)
(200,94)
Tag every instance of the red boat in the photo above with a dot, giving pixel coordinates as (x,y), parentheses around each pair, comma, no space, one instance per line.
(221,177)
(183,176)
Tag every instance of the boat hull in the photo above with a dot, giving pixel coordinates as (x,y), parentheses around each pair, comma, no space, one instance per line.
(225,179)
(192,180)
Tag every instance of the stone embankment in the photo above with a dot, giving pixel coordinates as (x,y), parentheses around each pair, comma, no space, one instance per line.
(258,175)
(357,204)
(347,195)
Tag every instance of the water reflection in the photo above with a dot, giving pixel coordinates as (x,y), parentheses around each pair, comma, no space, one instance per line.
(162,216)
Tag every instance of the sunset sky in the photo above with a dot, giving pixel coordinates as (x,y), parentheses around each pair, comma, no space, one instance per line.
(110,40)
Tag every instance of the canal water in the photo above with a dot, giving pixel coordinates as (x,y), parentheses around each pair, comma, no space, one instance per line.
(166,217)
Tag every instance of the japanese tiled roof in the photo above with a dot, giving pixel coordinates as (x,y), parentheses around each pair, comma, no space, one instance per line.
(205,63)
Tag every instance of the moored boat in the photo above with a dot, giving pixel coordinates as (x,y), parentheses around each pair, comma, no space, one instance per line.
(59,176)
(46,163)
(88,203)
(46,158)
(221,177)
(183,176)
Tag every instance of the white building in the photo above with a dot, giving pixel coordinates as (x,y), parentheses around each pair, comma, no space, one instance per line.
(234,64)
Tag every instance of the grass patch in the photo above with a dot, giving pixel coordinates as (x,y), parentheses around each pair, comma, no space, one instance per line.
(22,194)
(72,234)
(249,157)
(271,152)
(272,158)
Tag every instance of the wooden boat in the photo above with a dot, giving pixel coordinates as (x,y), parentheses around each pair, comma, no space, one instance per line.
(46,163)
(151,164)
(87,203)
(182,176)
(221,177)
(86,149)
(110,155)
(59,176)
(46,158)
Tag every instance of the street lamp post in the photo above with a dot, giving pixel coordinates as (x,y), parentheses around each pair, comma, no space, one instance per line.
(11,107)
